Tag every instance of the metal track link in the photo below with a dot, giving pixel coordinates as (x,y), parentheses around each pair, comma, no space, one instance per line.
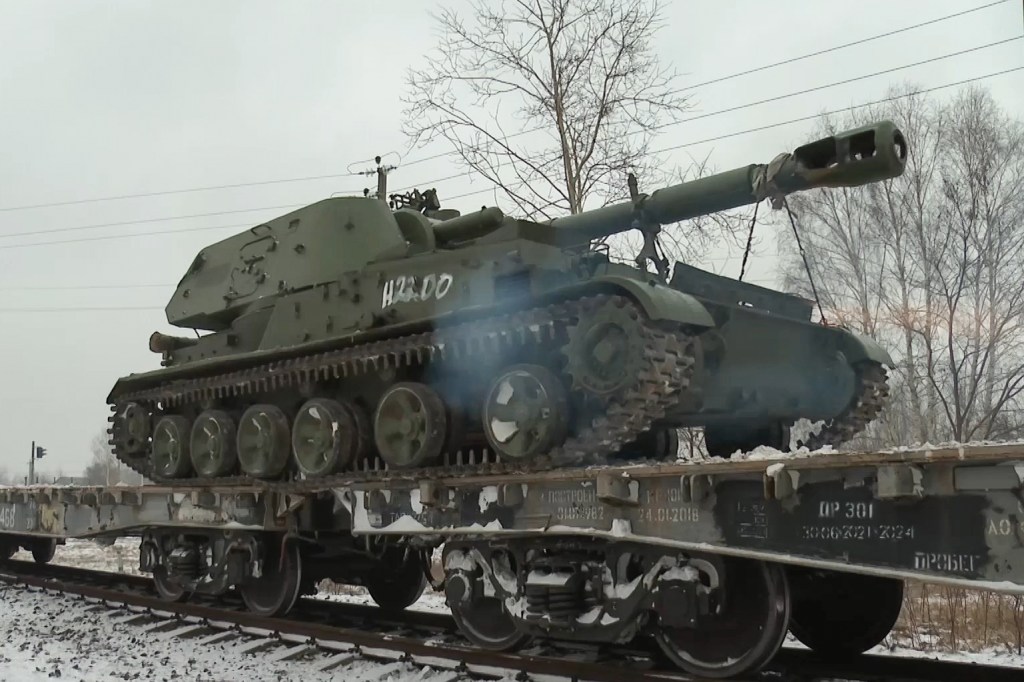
(874,393)
(668,355)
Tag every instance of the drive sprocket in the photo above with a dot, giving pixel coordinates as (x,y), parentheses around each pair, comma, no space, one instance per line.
(607,348)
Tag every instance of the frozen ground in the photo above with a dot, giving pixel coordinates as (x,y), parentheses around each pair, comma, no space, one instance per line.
(49,637)
(122,557)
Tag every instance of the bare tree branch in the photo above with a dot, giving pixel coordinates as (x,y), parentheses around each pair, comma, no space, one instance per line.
(930,263)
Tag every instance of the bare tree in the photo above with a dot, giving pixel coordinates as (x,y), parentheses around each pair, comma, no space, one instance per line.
(104,468)
(929,264)
(552,101)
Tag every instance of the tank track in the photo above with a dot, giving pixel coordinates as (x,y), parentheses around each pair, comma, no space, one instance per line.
(874,392)
(669,362)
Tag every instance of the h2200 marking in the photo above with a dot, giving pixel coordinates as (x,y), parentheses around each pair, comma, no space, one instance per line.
(414,288)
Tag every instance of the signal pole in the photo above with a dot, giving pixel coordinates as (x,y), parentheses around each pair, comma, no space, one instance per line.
(37,453)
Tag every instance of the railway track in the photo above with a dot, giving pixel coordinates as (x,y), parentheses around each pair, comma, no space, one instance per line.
(339,633)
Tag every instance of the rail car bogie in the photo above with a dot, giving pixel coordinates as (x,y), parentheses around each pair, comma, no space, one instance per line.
(714,562)
(271,570)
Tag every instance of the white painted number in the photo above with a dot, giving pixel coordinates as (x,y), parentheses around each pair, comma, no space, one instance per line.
(7,516)
(412,288)
(846,510)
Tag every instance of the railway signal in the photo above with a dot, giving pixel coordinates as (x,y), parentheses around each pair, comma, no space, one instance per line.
(38,452)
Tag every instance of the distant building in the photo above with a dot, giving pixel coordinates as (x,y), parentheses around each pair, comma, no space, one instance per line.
(70,480)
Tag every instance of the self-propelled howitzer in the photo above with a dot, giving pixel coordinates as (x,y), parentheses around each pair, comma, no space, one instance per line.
(353,338)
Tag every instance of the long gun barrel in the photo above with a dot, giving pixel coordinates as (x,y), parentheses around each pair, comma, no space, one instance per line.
(855,157)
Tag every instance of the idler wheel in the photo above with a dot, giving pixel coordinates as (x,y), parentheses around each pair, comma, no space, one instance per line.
(212,444)
(130,428)
(409,425)
(170,454)
(525,412)
(263,441)
(870,606)
(744,635)
(325,437)
(607,347)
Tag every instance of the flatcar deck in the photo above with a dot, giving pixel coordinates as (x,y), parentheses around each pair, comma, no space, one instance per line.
(946,514)
(752,547)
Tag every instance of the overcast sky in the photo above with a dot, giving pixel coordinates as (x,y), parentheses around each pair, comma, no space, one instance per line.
(101,99)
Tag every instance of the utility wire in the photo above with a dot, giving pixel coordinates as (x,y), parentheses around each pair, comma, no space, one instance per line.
(760,68)
(782,123)
(507,162)
(78,309)
(309,178)
(519,184)
(765,101)
(78,240)
(75,287)
(96,226)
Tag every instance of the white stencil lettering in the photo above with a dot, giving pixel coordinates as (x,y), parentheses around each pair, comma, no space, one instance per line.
(416,288)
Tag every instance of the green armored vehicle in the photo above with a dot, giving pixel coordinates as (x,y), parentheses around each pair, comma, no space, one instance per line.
(353,338)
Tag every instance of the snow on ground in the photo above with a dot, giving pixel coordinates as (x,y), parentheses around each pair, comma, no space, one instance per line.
(123,557)
(48,636)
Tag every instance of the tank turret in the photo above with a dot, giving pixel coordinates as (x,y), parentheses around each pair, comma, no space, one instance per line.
(356,338)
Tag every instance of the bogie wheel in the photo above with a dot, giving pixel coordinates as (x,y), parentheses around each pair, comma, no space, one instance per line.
(167,589)
(870,606)
(484,621)
(275,592)
(525,412)
(263,441)
(409,425)
(212,444)
(325,437)
(43,550)
(170,454)
(744,635)
(398,583)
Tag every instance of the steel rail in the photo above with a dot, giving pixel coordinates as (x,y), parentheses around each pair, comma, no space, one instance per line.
(789,665)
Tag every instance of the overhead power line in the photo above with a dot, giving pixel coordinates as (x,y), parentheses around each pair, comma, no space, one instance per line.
(776,98)
(328,176)
(140,221)
(80,309)
(75,287)
(518,184)
(764,67)
(788,122)
(78,240)
(506,162)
